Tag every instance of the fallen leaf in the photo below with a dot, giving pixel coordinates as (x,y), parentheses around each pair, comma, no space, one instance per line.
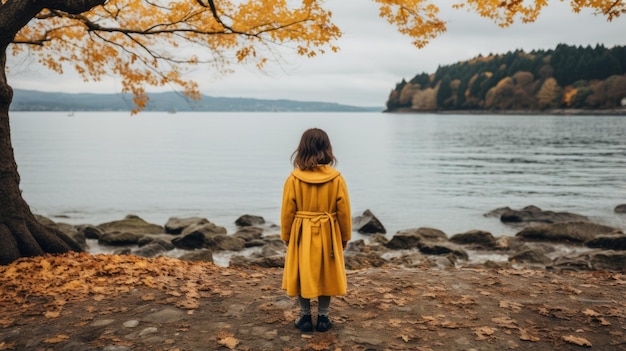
(6,322)
(505,322)
(229,342)
(148,297)
(57,339)
(526,336)
(395,322)
(5,346)
(590,313)
(511,305)
(484,333)
(52,314)
(577,340)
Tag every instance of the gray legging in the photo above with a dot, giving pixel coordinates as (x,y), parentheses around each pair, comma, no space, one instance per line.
(322,309)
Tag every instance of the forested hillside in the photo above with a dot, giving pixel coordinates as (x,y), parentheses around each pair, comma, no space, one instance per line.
(567,77)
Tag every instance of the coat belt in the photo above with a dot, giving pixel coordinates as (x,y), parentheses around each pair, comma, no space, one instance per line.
(316,217)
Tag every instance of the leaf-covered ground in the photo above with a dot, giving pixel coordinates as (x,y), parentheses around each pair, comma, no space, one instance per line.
(85,302)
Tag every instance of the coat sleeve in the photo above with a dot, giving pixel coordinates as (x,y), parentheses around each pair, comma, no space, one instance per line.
(344,214)
(288,209)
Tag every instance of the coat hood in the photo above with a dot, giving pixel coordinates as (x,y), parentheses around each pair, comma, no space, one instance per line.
(321,174)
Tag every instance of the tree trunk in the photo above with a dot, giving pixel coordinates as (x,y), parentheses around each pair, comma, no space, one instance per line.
(21,235)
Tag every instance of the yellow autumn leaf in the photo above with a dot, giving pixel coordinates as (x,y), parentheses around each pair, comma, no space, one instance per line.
(484,333)
(57,339)
(526,336)
(52,314)
(591,313)
(228,341)
(577,340)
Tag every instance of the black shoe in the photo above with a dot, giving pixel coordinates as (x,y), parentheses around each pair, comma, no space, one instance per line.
(323,323)
(305,323)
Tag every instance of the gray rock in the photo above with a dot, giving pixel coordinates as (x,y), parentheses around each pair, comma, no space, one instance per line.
(427,233)
(207,229)
(367,223)
(228,243)
(531,214)
(131,224)
(475,237)
(254,243)
(442,248)
(363,260)
(249,233)
(264,262)
(530,256)
(574,263)
(151,250)
(355,246)
(620,208)
(608,242)
(167,245)
(119,239)
(166,315)
(191,241)
(576,232)
(89,231)
(608,260)
(175,225)
(249,220)
(411,238)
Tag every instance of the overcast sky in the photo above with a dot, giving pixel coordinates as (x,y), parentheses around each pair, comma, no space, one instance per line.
(373,56)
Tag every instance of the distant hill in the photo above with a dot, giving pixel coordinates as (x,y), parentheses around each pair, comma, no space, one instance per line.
(565,78)
(31,100)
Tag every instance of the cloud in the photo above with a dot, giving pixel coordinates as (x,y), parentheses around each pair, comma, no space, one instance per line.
(374,56)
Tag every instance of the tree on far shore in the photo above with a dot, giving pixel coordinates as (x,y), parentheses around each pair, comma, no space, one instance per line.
(153,42)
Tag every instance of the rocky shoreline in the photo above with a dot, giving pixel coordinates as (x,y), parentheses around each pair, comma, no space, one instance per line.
(545,240)
(557,112)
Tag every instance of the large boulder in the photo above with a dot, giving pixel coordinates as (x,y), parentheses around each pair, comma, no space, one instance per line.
(175,225)
(249,233)
(532,256)
(410,238)
(363,260)
(131,224)
(152,249)
(608,260)
(476,238)
(191,241)
(620,208)
(602,260)
(575,232)
(225,243)
(367,223)
(608,242)
(207,229)
(264,262)
(534,214)
(442,248)
(89,231)
(249,220)
(119,239)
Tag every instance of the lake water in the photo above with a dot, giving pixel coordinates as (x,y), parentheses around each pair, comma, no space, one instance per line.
(440,171)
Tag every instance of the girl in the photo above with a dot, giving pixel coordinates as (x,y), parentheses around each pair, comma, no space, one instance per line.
(316,225)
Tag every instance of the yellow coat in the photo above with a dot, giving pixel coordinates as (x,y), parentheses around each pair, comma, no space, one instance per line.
(315,219)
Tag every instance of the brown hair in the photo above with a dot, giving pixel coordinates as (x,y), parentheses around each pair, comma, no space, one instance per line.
(314,149)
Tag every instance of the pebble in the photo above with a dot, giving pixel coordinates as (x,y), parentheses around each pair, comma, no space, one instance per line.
(131,324)
(147,331)
(102,322)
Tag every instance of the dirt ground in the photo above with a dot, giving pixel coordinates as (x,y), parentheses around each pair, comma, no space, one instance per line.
(78,302)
